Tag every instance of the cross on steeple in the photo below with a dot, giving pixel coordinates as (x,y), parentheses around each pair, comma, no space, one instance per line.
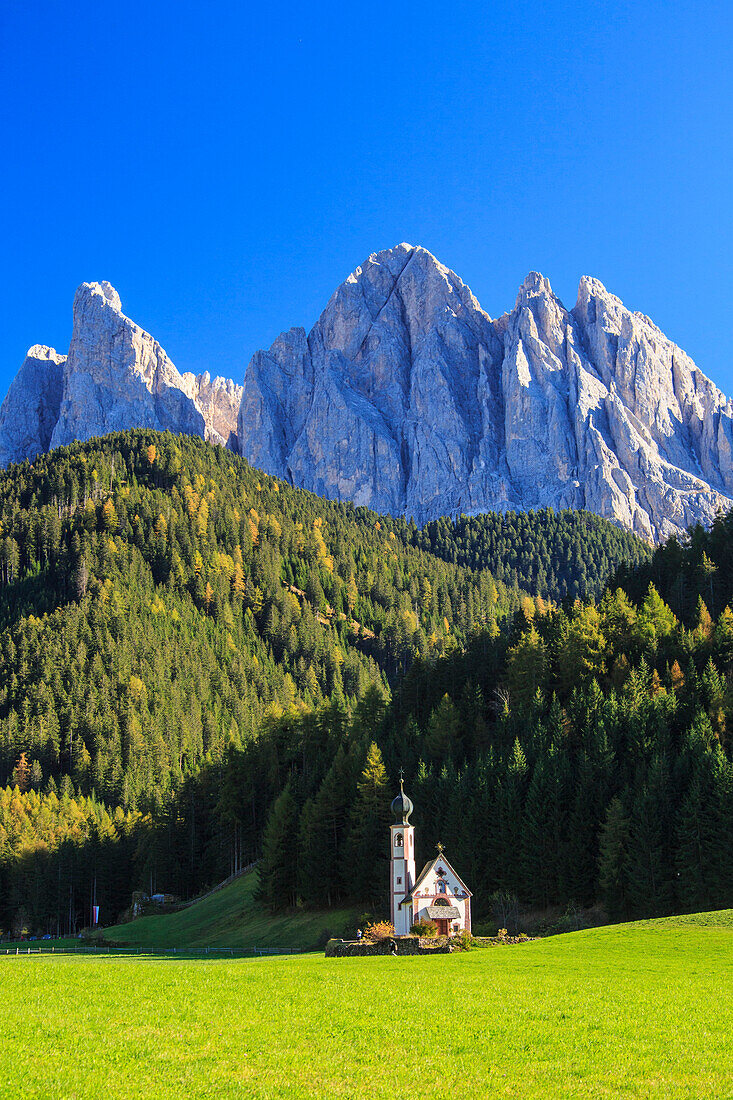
(439,848)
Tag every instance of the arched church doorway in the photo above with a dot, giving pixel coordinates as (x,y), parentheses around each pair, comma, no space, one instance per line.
(442,923)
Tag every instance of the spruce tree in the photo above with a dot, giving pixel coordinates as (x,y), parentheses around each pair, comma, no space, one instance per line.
(649,865)
(613,847)
(277,870)
(366,865)
(322,842)
(443,735)
(698,836)
(578,870)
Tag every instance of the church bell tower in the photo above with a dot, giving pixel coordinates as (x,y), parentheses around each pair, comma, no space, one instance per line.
(402,864)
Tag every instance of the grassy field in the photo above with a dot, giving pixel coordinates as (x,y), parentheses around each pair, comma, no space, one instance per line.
(641,1010)
(232,918)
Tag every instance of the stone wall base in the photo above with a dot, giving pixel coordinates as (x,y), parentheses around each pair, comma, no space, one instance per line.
(406,945)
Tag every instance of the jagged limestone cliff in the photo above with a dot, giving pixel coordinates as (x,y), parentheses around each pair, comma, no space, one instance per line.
(407,397)
(31,407)
(115,376)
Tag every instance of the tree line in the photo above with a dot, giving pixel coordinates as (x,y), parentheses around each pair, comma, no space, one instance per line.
(553,554)
(201,666)
(579,756)
(159,595)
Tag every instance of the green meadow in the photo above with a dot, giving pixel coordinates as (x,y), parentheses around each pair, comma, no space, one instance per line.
(638,1010)
(232,917)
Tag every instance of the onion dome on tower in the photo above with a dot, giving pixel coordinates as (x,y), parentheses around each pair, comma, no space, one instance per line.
(402,807)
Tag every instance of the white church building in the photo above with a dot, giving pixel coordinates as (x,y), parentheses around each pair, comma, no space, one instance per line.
(436,894)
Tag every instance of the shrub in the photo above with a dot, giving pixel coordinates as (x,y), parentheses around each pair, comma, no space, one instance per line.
(424,928)
(505,907)
(380,930)
(324,937)
(462,940)
(484,928)
(572,920)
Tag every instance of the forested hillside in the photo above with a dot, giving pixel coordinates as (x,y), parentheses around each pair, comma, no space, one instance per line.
(185,593)
(200,666)
(699,568)
(575,757)
(551,554)
(580,757)
(159,600)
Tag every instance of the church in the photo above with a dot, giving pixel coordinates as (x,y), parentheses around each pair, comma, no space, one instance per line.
(436,894)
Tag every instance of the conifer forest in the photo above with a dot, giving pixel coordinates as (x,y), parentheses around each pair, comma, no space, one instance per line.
(201,667)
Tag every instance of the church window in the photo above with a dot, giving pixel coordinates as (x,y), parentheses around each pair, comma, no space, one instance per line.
(441,887)
(441,901)
(398,841)
(399,881)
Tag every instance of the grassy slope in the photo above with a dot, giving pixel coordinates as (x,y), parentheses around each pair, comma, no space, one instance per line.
(232,918)
(633,1011)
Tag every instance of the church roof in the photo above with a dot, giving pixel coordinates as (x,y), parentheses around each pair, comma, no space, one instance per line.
(440,858)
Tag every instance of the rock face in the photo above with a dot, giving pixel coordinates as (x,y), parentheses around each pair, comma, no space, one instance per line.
(219,400)
(116,376)
(31,407)
(407,397)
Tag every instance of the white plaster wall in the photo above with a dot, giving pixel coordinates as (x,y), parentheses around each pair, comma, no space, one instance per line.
(403,920)
(403,866)
(421,908)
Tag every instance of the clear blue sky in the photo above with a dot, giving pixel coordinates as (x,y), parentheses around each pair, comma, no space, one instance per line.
(226,165)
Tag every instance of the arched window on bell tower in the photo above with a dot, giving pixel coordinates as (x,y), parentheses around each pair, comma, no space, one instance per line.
(398,841)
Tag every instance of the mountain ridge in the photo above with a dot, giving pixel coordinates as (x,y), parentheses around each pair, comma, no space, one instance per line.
(407,397)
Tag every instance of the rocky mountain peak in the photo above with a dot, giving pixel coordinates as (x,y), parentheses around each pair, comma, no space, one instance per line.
(590,287)
(44,354)
(407,397)
(535,285)
(31,407)
(97,294)
(116,376)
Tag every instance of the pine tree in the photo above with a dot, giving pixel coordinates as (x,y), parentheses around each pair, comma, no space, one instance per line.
(277,870)
(649,863)
(613,846)
(322,842)
(365,868)
(444,730)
